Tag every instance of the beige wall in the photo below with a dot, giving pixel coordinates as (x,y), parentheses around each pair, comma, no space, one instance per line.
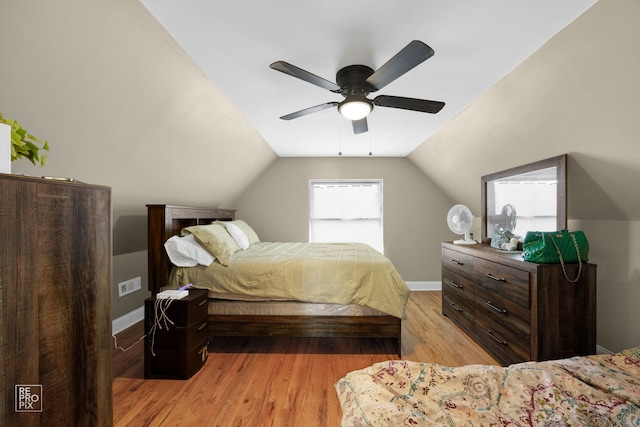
(579,95)
(277,206)
(123,106)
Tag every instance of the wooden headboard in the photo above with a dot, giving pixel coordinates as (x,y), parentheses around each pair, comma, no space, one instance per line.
(164,221)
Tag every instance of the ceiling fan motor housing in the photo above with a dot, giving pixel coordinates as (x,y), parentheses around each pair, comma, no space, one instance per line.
(352,80)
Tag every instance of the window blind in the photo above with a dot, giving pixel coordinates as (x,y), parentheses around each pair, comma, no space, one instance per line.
(346,211)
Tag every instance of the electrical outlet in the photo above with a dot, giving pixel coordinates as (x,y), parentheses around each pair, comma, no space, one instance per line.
(129,286)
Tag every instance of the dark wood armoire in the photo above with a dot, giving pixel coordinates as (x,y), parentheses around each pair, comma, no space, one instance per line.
(55,318)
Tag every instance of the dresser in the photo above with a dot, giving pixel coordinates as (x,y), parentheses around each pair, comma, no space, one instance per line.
(517,310)
(55,293)
(176,336)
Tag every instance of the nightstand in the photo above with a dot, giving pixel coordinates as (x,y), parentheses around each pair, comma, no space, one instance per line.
(176,350)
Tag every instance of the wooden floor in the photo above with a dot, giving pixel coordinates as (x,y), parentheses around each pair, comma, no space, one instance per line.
(280,381)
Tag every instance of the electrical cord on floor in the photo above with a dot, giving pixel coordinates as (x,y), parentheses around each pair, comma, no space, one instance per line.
(117,347)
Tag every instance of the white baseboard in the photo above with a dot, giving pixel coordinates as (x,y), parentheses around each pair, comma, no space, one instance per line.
(425,286)
(129,319)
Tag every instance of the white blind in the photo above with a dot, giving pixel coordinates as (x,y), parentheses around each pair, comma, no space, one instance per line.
(346,211)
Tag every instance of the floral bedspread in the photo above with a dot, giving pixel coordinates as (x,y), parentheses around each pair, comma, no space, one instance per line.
(601,390)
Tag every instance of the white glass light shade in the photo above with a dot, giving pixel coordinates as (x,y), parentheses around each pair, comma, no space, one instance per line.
(355,109)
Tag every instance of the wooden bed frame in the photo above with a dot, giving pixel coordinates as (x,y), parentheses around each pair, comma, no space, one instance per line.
(165,221)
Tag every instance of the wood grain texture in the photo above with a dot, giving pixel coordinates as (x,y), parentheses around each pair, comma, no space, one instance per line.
(178,349)
(165,221)
(308,326)
(283,381)
(520,310)
(55,290)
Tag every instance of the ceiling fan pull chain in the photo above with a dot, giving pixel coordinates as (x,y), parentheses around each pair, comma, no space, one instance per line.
(339,135)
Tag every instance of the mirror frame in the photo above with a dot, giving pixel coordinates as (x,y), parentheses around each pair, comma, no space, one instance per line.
(560,162)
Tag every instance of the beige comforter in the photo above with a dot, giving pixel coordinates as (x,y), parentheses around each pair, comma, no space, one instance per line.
(602,390)
(338,273)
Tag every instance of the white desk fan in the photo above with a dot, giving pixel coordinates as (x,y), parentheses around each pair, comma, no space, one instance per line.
(460,220)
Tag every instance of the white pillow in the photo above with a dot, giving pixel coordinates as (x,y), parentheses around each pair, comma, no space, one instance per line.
(186,252)
(238,235)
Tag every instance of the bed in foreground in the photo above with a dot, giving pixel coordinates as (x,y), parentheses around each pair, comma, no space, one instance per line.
(600,390)
(310,294)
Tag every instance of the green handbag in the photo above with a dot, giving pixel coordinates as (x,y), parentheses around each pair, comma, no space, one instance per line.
(556,247)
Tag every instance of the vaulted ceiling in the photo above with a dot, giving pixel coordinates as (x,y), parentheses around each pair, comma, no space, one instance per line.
(475,44)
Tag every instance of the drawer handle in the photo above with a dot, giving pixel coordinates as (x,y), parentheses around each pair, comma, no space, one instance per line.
(454,284)
(203,302)
(499,310)
(455,307)
(496,339)
(455,261)
(202,326)
(491,276)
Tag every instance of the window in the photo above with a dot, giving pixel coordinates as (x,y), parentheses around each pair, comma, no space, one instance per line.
(346,211)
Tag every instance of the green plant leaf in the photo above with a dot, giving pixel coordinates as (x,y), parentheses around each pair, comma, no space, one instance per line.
(24,144)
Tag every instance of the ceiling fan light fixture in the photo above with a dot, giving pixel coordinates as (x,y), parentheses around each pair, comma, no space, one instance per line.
(355,107)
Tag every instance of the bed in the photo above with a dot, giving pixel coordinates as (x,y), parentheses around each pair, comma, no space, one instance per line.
(257,314)
(599,390)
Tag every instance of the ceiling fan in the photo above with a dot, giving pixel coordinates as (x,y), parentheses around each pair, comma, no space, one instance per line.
(355,82)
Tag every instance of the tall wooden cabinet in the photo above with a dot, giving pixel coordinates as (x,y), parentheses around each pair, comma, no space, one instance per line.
(517,310)
(55,320)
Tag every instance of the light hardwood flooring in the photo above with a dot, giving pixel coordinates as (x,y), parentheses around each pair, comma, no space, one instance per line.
(279,381)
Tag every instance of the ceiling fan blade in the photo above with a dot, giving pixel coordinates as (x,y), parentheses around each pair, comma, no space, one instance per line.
(294,71)
(360,126)
(412,55)
(421,105)
(309,110)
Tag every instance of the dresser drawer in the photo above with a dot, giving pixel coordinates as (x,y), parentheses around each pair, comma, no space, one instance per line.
(457,286)
(177,364)
(457,295)
(459,309)
(499,279)
(502,310)
(195,311)
(184,312)
(180,337)
(457,262)
(502,343)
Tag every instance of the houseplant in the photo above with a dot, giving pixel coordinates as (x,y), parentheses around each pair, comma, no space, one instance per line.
(24,144)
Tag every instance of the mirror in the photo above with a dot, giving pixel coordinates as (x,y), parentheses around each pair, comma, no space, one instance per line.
(532,197)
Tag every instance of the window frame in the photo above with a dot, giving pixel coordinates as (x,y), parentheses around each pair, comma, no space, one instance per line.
(378,182)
